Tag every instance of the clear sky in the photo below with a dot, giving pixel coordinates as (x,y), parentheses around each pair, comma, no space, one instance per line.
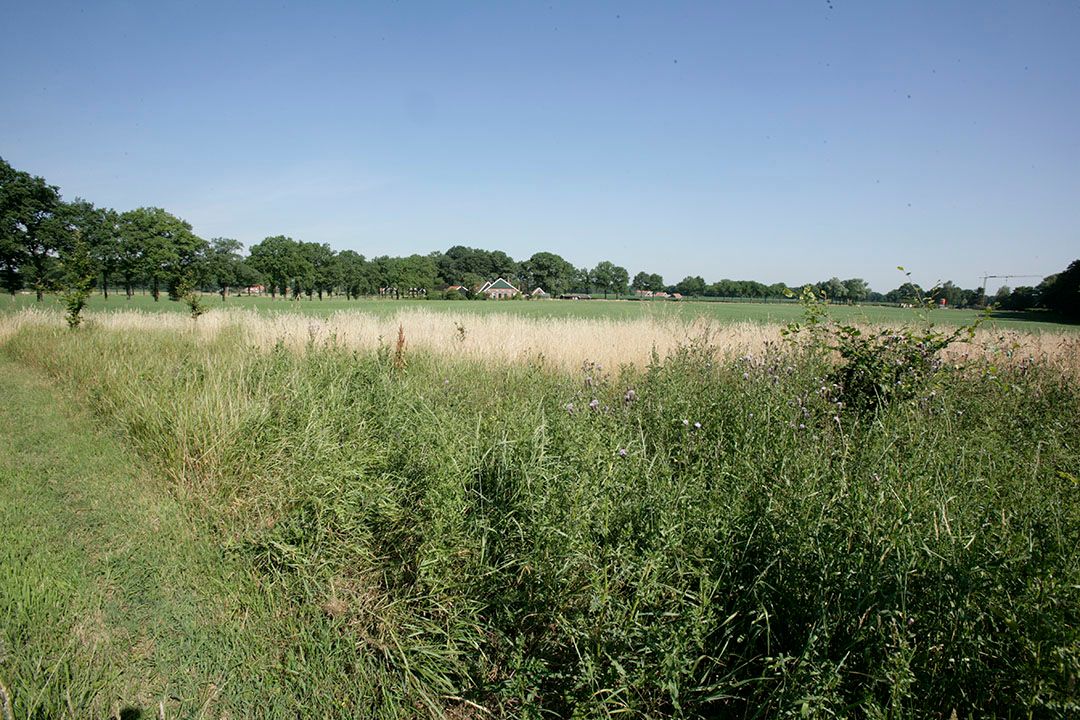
(777,141)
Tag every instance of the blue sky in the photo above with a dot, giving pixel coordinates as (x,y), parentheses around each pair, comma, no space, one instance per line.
(777,141)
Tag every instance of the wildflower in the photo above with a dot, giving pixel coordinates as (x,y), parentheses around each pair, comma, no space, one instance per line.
(622,452)
(588,381)
(802,426)
(697,426)
(630,396)
(594,404)
(685,422)
(570,408)
(746,376)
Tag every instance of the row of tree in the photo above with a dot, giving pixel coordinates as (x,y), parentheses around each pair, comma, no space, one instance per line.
(44,241)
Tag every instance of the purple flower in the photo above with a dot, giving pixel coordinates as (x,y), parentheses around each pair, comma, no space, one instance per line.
(630,396)
(570,408)
(622,452)
(594,404)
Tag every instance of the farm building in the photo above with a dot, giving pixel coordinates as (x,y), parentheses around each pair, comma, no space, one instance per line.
(539,294)
(499,290)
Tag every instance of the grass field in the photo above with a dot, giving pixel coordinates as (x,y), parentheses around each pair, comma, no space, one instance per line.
(399,530)
(771,313)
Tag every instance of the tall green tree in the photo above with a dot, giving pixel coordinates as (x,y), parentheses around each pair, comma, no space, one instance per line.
(166,248)
(1061,292)
(414,273)
(107,251)
(224,261)
(321,266)
(856,289)
(648,281)
(620,280)
(603,276)
(949,292)
(357,275)
(12,252)
(548,271)
(30,235)
(834,288)
(609,277)
(82,224)
(278,258)
(907,293)
(691,285)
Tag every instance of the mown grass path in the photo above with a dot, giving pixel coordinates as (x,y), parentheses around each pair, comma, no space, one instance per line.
(112,604)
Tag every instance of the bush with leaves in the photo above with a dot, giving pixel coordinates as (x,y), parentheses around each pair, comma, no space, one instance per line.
(78,279)
(878,366)
(185,291)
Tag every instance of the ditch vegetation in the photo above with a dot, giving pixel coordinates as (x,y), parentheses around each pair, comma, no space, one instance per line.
(779,532)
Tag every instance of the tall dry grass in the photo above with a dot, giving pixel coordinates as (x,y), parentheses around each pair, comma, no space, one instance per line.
(561,343)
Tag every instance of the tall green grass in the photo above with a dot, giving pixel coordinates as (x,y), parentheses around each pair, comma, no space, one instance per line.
(700,538)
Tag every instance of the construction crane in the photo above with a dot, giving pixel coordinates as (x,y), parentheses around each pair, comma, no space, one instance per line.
(1000,277)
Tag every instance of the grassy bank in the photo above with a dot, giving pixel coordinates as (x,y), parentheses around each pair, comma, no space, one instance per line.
(702,536)
(116,603)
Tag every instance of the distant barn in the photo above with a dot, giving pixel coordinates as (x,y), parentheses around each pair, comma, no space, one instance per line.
(499,290)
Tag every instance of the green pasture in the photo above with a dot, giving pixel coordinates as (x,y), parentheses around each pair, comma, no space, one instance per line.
(775,312)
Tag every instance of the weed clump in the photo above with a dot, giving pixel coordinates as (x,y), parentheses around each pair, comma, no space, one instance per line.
(876,366)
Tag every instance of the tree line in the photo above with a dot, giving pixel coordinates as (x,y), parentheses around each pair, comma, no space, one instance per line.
(46,244)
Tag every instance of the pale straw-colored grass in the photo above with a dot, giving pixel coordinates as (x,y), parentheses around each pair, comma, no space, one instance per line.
(501,338)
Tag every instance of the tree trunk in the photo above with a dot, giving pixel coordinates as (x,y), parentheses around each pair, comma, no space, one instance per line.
(224,292)
(155,290)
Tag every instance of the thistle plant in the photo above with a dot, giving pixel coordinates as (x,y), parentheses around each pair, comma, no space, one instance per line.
(880,365)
